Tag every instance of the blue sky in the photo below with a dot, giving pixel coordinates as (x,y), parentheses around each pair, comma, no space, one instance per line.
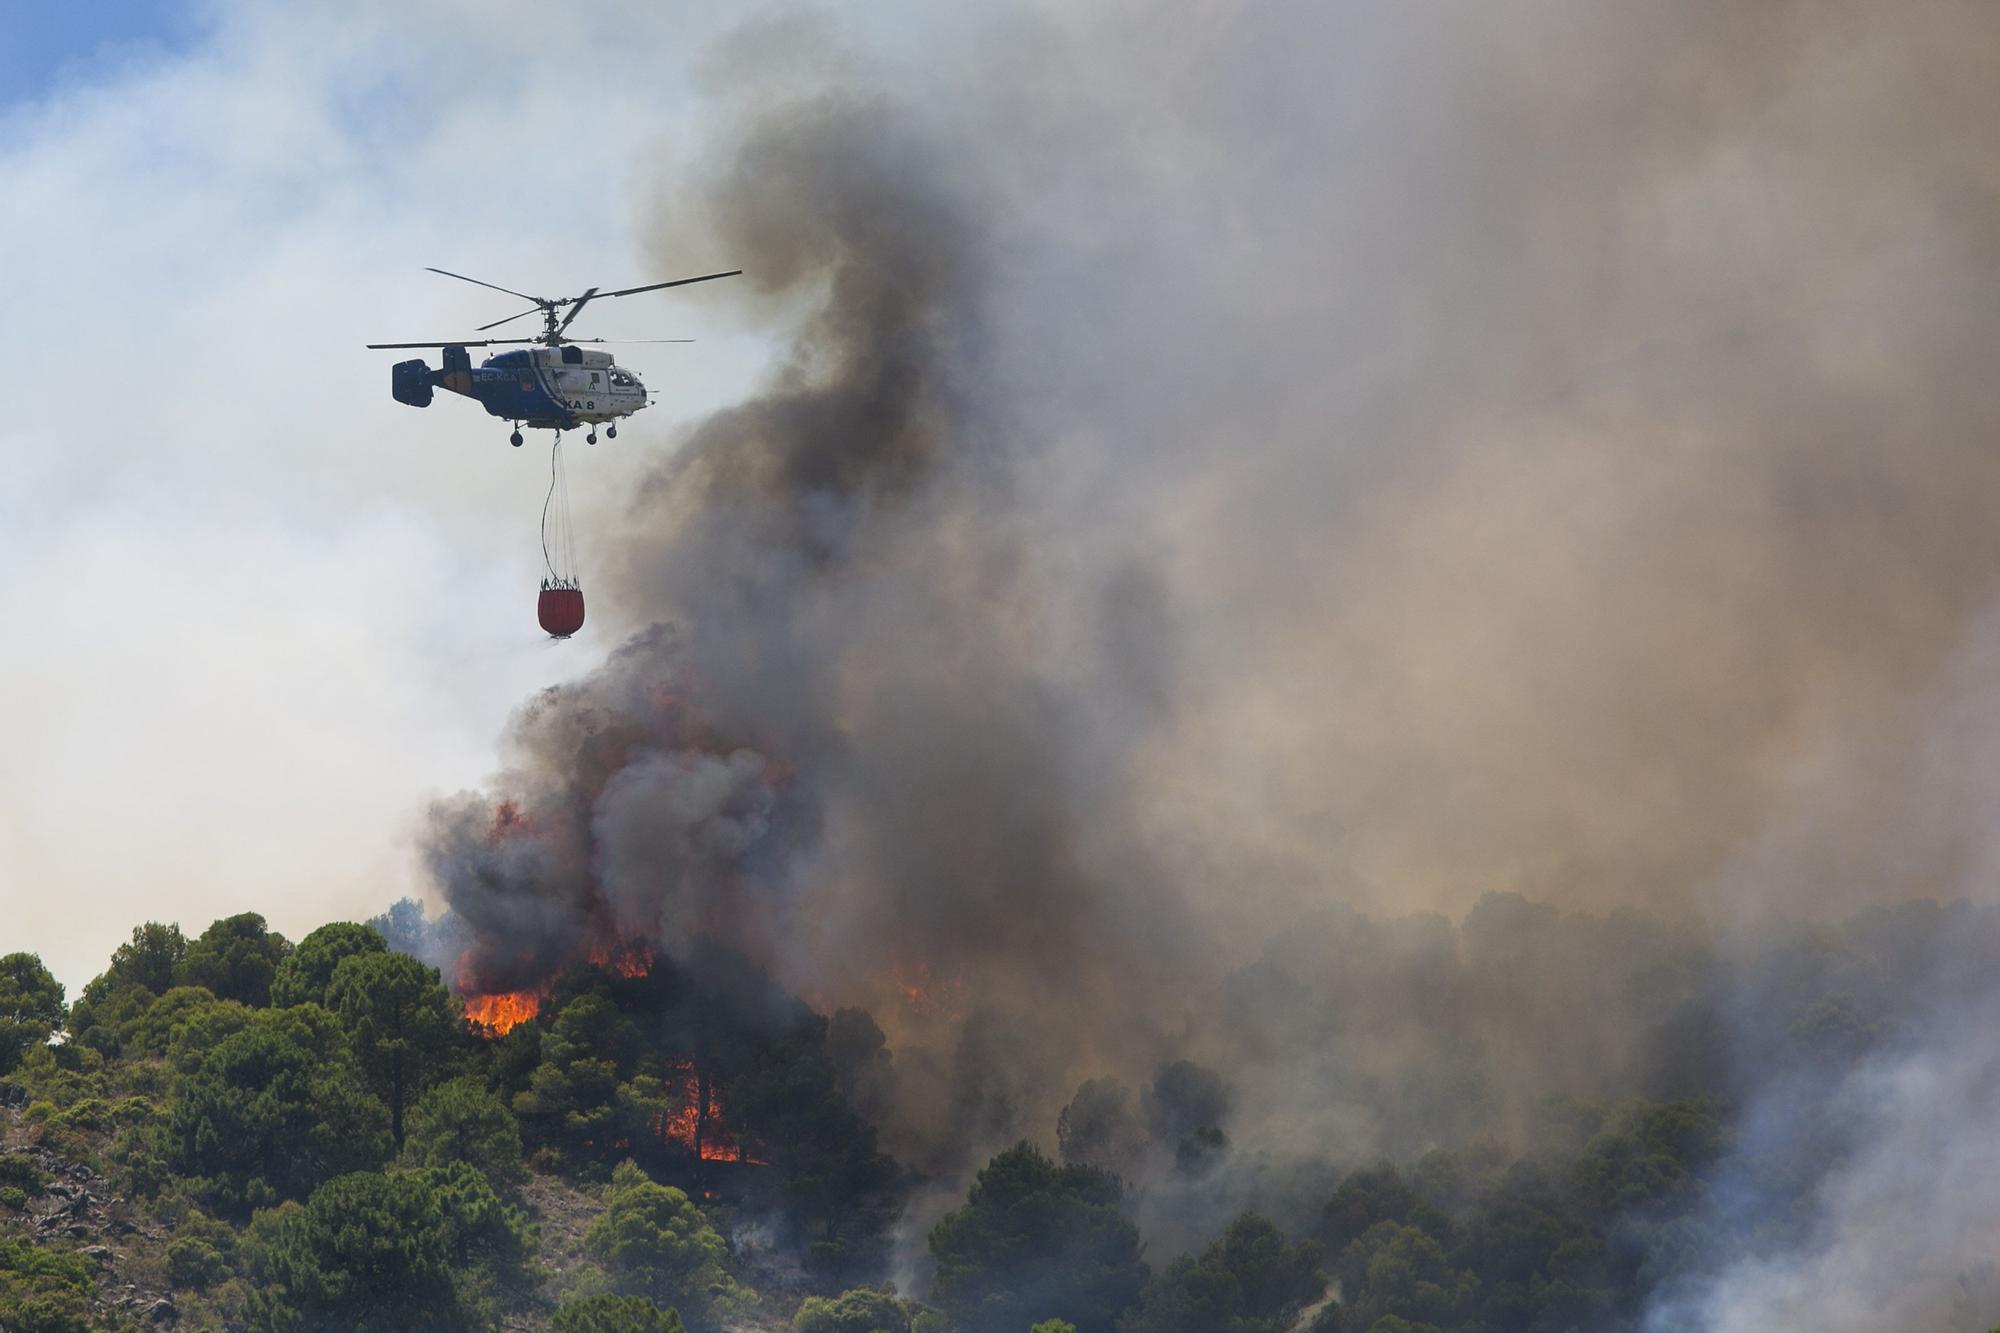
(48,45)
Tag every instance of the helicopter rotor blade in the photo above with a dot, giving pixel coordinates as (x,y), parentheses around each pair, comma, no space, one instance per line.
(494,285)
(628,340)
(509,320)
(576,308)
(461,342)
(677,282)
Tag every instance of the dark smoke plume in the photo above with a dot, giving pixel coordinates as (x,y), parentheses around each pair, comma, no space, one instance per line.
(1236,467)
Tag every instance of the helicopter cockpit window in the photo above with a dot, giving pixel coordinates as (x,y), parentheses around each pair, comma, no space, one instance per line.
(620,379)
(595,379)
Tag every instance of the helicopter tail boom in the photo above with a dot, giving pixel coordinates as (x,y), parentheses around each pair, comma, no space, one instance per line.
(412,382)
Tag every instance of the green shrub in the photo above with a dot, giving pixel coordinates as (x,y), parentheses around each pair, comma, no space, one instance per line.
(274,1111)
(134,1110)
(142,1150)
(90,1113)
(367,1251)
(483,1226)
(192,1262)
(654,1241)
(615,1314)
(862,1310)
(22,1172)
(21,1258)
(42,1291)
(462,1120)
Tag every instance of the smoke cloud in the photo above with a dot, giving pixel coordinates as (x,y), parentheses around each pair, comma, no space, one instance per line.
(1243,481)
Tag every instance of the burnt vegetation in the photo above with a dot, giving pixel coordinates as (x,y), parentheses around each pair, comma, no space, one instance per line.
(682,1147)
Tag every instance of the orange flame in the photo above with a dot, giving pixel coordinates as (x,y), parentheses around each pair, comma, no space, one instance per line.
(627,960)
(707,1137)
(502,1012)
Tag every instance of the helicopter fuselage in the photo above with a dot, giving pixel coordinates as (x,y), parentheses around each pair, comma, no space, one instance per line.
(548,388)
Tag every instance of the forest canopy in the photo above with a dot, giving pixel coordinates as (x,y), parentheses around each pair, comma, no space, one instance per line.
(271,1136)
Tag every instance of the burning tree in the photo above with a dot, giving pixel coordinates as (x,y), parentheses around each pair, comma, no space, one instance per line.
(681,1044)
(710,1078)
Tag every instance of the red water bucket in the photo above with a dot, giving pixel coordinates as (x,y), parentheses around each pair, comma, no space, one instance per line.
(560,609)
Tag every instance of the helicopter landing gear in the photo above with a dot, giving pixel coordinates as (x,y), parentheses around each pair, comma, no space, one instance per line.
(592,437)
(515,439)
(611,431)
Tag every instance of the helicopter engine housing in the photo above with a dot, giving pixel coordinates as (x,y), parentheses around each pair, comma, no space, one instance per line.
(411,382)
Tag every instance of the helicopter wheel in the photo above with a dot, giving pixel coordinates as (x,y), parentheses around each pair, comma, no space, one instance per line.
(592,437)
(515,439)
(611,432)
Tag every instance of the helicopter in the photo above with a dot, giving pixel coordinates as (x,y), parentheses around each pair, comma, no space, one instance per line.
(550,382)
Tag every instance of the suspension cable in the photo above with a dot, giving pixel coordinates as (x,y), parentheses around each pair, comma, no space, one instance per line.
(558,500)
(568,524)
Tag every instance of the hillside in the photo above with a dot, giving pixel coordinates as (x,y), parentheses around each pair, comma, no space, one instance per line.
(236,1132)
